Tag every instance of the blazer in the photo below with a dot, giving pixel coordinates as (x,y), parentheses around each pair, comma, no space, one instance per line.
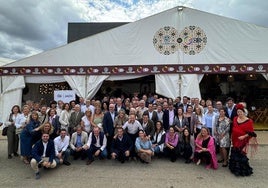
(108,123)
(75,120)
(38,151)
(122,108)
(56,123)
(183,106)
(192,123)
(64,118)
(181,124)
(149,129)
(166,119)
(154,116)
(233,114)
(84,139)
(123,145)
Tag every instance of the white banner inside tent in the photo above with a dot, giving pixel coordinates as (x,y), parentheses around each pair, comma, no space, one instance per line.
(65,95)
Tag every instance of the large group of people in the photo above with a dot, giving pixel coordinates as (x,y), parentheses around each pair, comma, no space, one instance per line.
(137,128)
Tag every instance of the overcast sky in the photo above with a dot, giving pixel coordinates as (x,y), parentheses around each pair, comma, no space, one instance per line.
(28,27)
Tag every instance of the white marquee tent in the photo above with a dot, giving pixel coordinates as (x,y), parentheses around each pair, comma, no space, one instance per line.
(169,45)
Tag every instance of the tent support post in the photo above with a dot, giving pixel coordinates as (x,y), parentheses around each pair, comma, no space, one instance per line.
(86,87)
(179,83)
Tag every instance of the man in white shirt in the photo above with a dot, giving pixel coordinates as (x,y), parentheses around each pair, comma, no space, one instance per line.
(132,126)
(96,145)
(61,148)
(88,106)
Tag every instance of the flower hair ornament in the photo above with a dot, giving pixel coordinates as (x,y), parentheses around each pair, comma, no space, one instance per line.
(240,107)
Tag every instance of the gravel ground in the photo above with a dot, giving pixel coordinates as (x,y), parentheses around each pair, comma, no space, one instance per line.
(108,173)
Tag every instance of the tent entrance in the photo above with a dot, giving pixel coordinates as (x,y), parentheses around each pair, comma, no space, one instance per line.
(251,88)
(142,85)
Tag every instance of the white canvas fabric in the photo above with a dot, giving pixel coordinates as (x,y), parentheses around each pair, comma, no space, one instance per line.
(229,41)
(11,93)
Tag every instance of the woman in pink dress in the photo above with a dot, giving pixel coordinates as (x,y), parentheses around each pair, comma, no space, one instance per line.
(205,149)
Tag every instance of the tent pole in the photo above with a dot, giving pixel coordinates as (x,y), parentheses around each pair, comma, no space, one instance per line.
(179,83)
(86,87)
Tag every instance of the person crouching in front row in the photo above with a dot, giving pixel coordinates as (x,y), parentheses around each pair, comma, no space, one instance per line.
(171,142)
(96,145)
(205,149)
(78,140)
(121,146)
(43,154)
(61,148)
(144,147)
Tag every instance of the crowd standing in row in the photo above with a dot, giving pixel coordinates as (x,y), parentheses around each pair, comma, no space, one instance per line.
(136,128)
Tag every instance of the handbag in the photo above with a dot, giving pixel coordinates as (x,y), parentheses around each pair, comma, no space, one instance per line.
(4,131)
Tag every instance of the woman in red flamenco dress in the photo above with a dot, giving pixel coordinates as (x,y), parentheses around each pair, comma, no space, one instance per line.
(241,134)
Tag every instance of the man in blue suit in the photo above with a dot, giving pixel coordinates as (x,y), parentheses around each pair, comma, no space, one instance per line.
(108,127)
(121,146)
(43,154)
(169,116)
(230,111)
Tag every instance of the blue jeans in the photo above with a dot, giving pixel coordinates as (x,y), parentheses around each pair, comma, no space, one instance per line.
(157,149)
(65,154)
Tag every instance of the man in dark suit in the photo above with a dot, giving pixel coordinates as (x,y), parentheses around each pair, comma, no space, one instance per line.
(147,125)
(55,122)
(108,126)
(169,116)
(43,154)
(184,105)
(119,105)
(230,111)
(152,114)
(75,118)
(121,146)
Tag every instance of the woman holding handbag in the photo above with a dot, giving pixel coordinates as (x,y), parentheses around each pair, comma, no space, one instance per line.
(12,137)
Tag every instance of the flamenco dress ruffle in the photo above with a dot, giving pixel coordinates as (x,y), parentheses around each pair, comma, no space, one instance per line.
(238,163)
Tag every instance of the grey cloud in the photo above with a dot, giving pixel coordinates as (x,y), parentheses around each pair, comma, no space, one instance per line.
(36,25)
(28,27)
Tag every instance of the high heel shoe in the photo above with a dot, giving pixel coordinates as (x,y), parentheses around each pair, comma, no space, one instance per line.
(225,165)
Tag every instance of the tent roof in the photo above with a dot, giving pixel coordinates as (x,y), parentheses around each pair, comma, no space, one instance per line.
(5,61)
(177,40)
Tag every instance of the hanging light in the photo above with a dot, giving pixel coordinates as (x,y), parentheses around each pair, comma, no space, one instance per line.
(230,78)
(251,77)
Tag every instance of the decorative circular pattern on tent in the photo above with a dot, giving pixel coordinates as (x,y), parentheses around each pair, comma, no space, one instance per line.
(192,40)
(165,40)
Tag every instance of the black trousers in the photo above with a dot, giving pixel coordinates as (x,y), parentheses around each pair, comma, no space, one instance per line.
(171,153)
(121,156)
(187,151)
(133,138)
(206,156)
(109,145)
